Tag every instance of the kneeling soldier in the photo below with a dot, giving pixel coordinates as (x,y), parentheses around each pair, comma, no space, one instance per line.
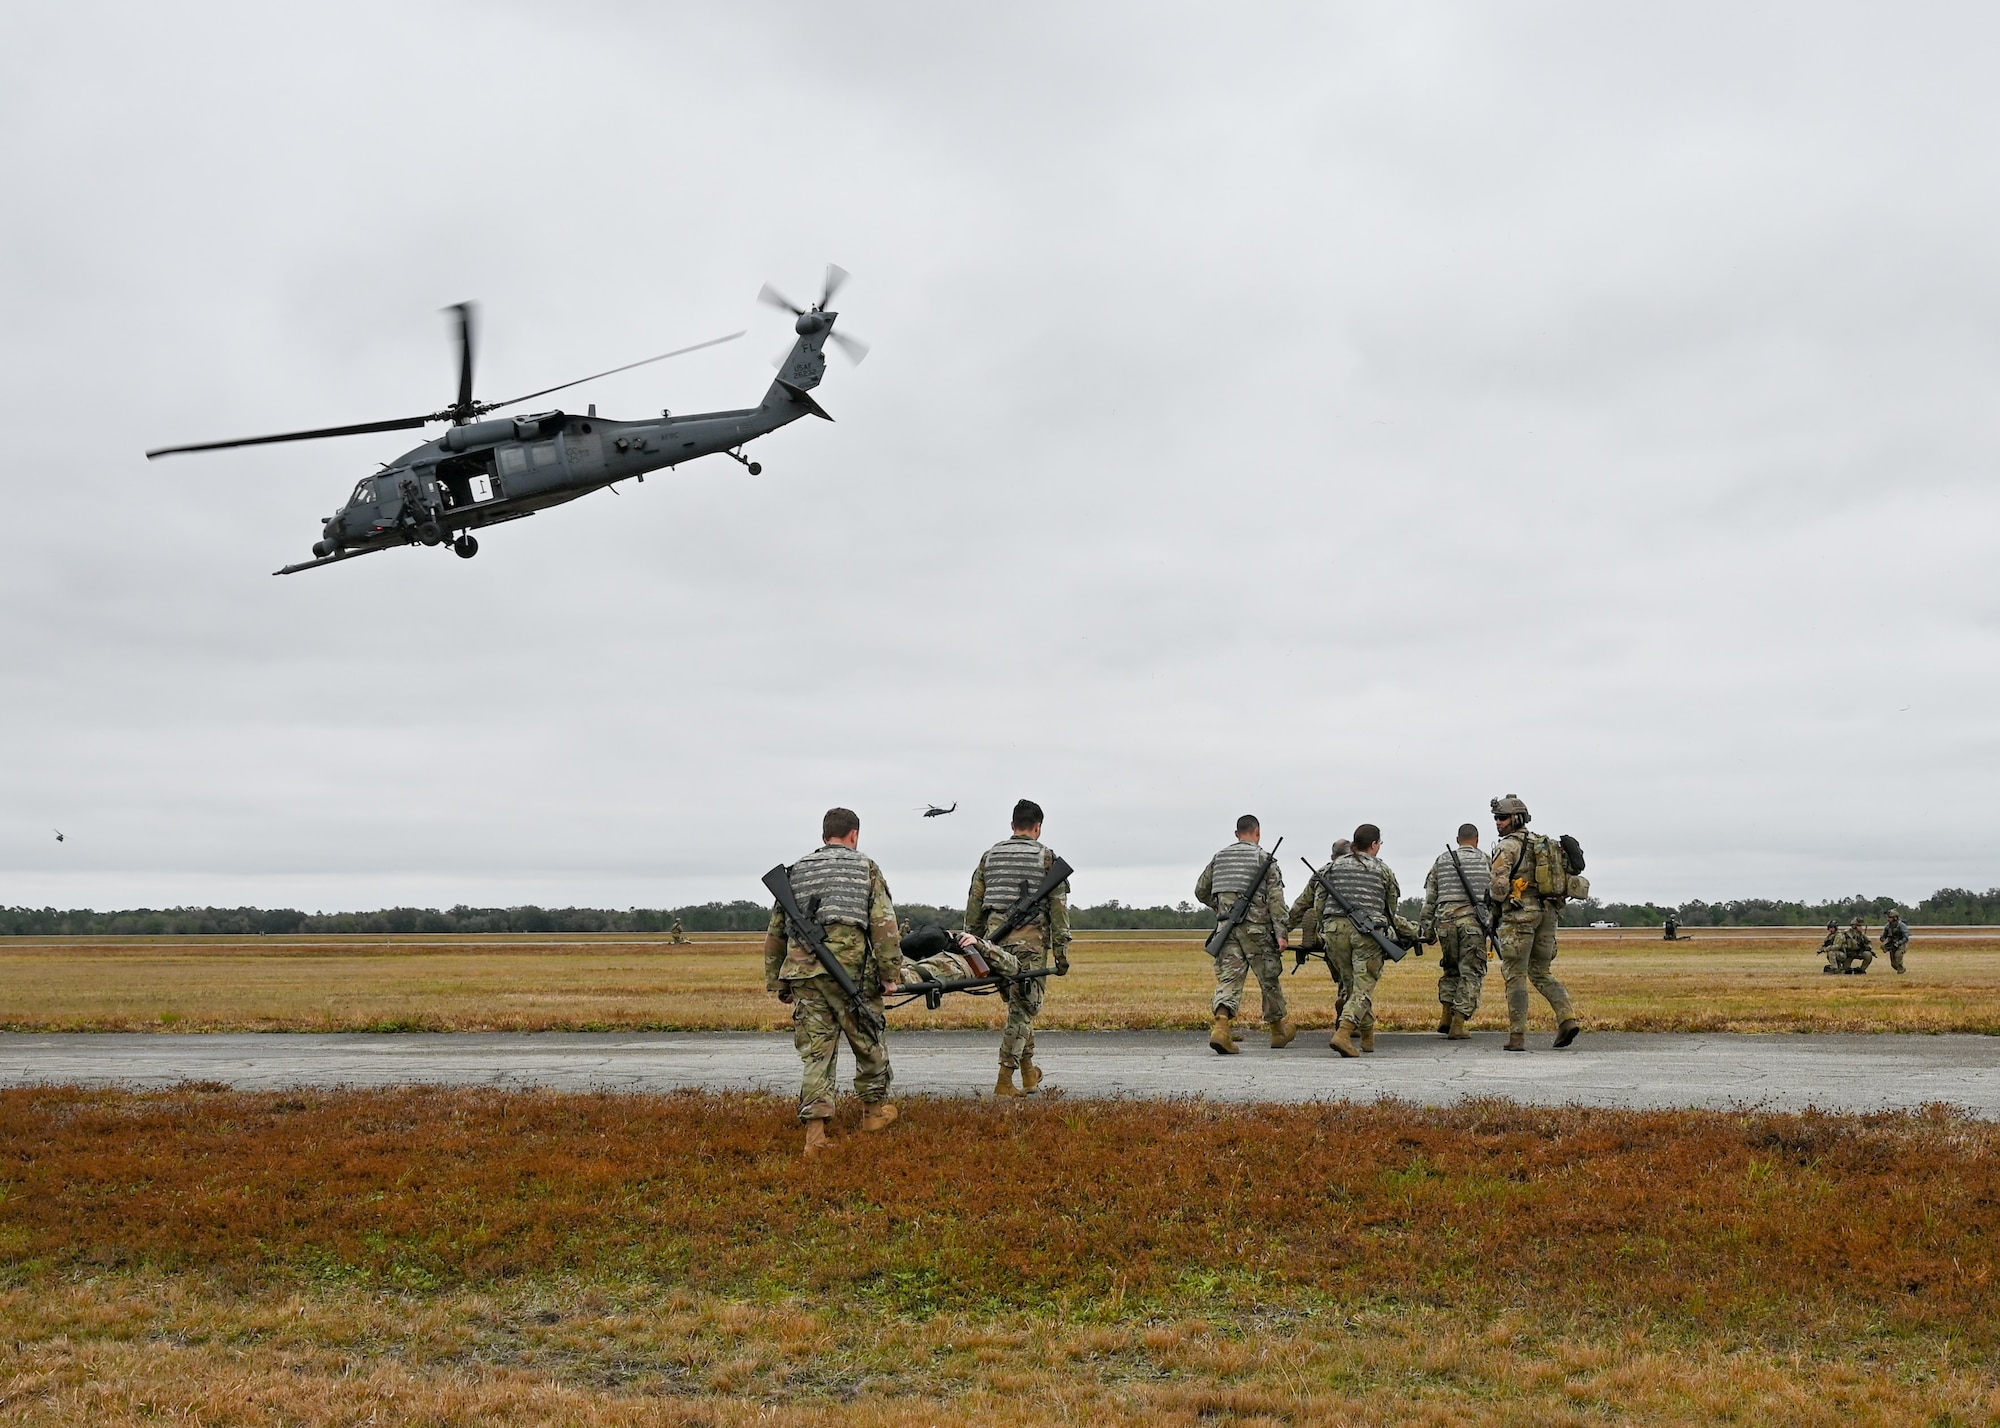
(1895,937)
(846,894)
(1855,952)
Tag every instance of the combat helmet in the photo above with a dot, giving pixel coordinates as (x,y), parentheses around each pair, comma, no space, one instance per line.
(1510,807)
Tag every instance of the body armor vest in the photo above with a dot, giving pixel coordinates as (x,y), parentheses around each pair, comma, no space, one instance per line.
(1358,878)
(838,877)
(1007,865)
(1236,867)
(1478,876)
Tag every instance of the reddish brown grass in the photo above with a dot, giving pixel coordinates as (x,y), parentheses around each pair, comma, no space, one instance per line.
(1751,1221)
(473,1256)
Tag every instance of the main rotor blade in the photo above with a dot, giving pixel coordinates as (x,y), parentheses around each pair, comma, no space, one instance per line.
(835,276)
(677,352)
(464,311)
(399,424)
(771,295)
(854,347)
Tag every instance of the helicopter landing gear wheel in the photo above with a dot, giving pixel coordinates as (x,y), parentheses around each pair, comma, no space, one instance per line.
(465,547)
(429,533)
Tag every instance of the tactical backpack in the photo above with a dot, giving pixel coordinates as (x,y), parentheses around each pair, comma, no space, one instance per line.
(1557,867)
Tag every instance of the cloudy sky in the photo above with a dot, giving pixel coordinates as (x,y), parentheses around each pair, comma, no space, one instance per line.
(1338,412)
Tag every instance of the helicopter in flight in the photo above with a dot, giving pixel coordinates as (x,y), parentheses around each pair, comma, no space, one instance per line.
(481,473)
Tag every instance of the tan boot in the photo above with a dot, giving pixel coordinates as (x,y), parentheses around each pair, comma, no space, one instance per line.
(1517,1041)
(1566,1033)
(1444,1021)
(1005,1085)
(1222,1036)
(1282,1032)
(1368,1041)
(816,1140)
(1031,1074)
(1456,1031)
(880,1117)
(1343,1041)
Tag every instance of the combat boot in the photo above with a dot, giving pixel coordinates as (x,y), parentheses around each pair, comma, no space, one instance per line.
(1222,1036)
(1282,1032)
(1031,1074)
(815,1136)
(1566,1033)
(879,1117)
(1343,1041)
(1368,1041)
(1456,1031)
(1517,1041)
(1444,1021)
(1005,1085)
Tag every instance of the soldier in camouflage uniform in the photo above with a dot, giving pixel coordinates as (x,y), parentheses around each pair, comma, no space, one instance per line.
(1895,937)
(1258,943)
(677,934)
(1370,888)
(1527,928)
(1006,870)
(1452,920)
(1827,949)
(1306,916)
(1854,948)
(846,892)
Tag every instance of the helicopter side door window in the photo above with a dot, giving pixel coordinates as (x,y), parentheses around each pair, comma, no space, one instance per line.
(544,453)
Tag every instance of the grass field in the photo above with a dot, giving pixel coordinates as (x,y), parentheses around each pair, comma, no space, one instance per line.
(444,1257)
(1621,981)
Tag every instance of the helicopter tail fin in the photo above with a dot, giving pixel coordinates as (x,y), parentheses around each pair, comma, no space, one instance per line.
(799,371)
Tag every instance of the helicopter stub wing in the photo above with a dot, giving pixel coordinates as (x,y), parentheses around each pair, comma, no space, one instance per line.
(332,559)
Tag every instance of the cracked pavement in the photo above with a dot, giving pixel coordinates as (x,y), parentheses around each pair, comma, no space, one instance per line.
(1637,1070)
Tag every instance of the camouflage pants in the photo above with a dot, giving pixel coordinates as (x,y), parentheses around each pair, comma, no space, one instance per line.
(1024,999)
(1252,947)
(1527,949)
(819,1019)
(1895,953)
(1357,966)
(1462,977)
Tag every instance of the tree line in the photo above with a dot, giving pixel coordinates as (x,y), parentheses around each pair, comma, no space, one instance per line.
(1946,906)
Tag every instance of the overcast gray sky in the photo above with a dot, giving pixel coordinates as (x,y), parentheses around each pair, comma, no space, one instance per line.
(1338,412)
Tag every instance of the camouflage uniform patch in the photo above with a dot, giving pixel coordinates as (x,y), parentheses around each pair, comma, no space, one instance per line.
(820,1018)
(1250,948)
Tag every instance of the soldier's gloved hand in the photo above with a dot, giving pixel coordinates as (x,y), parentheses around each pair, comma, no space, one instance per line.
(1062,961)
(785,993)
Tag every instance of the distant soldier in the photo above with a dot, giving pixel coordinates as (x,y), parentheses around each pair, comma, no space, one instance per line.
(1854,947)
(677,934)
(1368,886)
(1673,929)
(1256,945)
(1895,937)
(1528,918)
(1004,872)
(1305,918)
(1452,920)
(1829,948)
(846,893)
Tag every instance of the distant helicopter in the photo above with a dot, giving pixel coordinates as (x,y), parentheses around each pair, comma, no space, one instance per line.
(480,473)
(59,835)
(931,810)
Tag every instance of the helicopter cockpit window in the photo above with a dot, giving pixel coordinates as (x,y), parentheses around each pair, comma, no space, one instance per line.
(363,494)
(513,459)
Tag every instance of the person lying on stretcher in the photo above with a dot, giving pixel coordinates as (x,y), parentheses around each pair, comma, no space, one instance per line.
(930,954)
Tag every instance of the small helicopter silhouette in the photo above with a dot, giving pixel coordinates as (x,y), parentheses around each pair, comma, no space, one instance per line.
(480,473)
(59,835)
(931,810)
